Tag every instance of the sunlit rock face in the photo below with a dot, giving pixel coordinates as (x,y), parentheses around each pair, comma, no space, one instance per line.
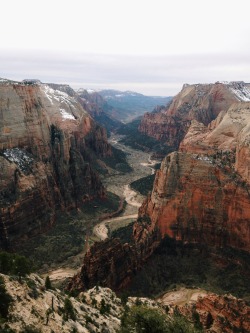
(200,102)
(197,200)
(201,192)
(45,142)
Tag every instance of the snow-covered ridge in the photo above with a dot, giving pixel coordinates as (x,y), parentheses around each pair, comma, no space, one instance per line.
(64,100)
(240,90)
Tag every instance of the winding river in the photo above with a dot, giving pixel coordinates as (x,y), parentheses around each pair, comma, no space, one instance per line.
(119,184)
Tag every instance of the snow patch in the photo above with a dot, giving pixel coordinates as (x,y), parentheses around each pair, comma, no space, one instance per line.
(90,91)
(66,115)
(241,92)
(19,157)
(59,96)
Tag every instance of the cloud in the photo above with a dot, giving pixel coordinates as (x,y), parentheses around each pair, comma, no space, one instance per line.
(160,75)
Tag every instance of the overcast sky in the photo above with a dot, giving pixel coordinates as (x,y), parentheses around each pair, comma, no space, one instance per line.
(149,46)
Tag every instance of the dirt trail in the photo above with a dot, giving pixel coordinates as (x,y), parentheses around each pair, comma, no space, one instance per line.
(181,296)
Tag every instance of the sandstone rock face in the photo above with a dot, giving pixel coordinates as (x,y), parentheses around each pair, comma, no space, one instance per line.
(98,108)
(200,102)
(201,193)
(196,200)
(216,313)
(112,263)
(45,142)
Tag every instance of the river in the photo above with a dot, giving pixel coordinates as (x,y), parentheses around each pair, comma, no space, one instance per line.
(119,184)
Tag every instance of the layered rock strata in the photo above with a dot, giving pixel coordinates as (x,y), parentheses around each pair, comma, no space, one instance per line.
(200,102)
(45,142)
(201,193)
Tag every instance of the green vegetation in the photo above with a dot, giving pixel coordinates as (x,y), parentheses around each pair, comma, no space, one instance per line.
(137,140)
(14,264)
(118,161)
(143,185)
(141,319)
(174,265)
(124,233)
(67,237)
(6,329)
(105,307)
(30,329)
(5,301)
(48,283)
(69,311)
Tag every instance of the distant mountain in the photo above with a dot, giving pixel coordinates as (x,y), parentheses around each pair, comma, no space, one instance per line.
(98,108)
(128,105)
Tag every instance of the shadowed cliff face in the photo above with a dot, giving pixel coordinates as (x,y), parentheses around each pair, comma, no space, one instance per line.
(45,140)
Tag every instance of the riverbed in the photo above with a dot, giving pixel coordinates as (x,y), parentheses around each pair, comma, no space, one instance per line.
(117,183)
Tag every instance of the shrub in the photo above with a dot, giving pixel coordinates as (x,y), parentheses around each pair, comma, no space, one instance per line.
(14,264)
(48,283)
(69,311)
(105,308)
(5,300)
(30,329)
(141,319)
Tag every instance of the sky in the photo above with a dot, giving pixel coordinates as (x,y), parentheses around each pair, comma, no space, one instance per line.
(149,46)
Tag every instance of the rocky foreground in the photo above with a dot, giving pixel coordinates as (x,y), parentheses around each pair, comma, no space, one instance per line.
(33,307)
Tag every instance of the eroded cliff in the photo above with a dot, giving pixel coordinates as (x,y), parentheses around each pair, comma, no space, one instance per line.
(201,193)
(46,139)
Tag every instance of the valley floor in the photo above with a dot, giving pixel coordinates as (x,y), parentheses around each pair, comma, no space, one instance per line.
(117,183)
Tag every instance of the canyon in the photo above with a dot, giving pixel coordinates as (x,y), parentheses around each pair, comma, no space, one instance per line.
(52,149)
(201,192)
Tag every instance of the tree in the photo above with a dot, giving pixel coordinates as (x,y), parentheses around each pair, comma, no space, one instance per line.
(141,319)
(48,283)
(69,311)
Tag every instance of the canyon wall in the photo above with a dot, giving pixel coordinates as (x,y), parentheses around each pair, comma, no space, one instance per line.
(200,102)
(46,138)
(201,193)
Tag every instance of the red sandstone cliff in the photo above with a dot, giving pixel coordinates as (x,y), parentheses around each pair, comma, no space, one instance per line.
(200,102)
(45,140)
(201,193)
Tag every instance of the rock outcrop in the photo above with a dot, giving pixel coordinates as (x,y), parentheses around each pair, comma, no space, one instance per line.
(35,308)
(196,199)
(200,102)
(216,313)
(201,193)
(98,108)
(46,143)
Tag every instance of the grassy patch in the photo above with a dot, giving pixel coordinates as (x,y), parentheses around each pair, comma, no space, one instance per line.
(124,233)
(137,140)
(143,185)
(67,237)
(118,161)
(174,265)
